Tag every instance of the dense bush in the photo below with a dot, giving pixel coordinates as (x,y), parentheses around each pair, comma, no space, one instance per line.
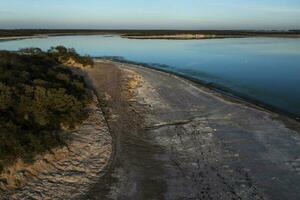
(38,96)
(64,55)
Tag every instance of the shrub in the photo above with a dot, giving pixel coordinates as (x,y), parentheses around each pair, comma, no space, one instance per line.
(63,55)
(37,97)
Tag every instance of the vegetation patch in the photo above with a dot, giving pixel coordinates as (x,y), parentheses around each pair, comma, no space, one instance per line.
(38,98)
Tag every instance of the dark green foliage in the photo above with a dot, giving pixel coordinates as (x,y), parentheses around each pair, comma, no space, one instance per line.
(64,55)
(38,96)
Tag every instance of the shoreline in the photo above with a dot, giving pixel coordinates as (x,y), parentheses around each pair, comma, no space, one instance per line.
(205,37)
(153,37)
(11,38)
(226,93)
(183,128)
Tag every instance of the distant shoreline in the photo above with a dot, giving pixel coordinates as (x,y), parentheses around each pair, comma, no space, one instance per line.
(9,38)
(204,37)
(147,34)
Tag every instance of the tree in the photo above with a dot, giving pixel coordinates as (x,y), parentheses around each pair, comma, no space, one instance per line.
(38,96)
(5,97)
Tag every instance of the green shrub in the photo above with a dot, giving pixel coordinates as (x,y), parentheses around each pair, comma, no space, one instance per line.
(38,96)
(63,55)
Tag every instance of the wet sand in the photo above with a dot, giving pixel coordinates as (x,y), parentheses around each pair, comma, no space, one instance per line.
(178,140)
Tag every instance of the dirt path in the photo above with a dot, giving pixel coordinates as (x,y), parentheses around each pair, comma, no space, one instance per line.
(175,140)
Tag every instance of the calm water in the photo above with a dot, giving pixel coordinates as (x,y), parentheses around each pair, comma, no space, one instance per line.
(265,69)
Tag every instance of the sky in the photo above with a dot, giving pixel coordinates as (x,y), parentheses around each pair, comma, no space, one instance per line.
(151,14)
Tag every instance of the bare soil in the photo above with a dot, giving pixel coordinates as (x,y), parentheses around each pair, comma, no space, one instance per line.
(177,140)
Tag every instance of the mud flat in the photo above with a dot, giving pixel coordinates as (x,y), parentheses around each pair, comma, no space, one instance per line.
(67,172)
(203,36)
(175,139)
(178,37)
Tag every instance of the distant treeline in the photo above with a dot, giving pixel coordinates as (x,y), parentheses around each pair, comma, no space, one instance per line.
(32,32)
(212,32)
(38,98)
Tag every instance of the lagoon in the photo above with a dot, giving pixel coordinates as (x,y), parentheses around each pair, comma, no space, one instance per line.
(266,70)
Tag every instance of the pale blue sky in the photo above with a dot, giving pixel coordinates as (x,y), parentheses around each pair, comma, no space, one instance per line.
(151,14)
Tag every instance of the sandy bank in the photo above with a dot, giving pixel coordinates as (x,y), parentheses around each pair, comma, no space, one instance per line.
(8,38)
(203,36)
(67,172)
(188,142)
(21,37)
(176,36)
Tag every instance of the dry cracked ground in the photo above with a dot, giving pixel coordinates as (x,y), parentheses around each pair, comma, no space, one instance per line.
(177,140)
